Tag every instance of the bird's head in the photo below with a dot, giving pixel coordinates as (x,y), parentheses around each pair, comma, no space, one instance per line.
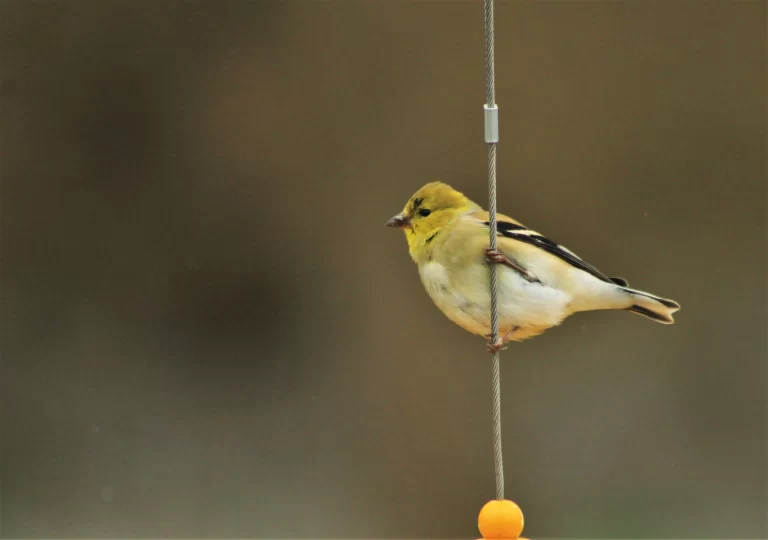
(427,212)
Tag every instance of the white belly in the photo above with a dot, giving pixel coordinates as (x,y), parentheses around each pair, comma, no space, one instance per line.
(463,294)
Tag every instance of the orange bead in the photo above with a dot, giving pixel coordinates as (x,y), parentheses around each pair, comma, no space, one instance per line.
(500,520)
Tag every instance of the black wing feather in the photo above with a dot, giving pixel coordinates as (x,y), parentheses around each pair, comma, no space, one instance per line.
(511,230)
(508,226)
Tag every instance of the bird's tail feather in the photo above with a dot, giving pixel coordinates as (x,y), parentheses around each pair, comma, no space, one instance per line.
(652,306)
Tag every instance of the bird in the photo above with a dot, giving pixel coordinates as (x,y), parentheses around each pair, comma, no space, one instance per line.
(540,282)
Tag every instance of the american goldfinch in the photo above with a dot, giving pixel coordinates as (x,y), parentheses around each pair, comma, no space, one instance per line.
(540,283)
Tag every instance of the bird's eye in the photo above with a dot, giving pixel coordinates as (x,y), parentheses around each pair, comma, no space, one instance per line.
(424,212)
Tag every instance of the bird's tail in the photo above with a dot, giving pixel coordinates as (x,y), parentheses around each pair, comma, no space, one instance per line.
(652,306)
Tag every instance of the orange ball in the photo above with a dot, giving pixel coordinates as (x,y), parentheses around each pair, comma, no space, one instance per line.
(500,520)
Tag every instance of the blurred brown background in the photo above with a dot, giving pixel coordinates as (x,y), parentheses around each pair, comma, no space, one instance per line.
(207,332)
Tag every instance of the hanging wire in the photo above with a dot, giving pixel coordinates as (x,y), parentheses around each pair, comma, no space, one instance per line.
(492,137)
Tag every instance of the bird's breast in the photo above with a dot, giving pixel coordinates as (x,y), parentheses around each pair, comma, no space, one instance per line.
(435,277)
(467,307)
(462,292)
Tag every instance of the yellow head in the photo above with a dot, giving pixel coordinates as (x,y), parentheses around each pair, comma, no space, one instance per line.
(426,214)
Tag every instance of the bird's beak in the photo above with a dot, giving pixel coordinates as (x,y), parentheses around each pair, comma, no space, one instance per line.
(400,221)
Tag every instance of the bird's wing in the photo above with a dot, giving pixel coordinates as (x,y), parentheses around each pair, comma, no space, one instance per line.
(511,232)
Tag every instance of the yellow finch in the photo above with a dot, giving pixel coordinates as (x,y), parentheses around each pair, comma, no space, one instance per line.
(540,283)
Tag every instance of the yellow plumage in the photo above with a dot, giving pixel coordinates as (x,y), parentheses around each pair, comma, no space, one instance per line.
(540,282)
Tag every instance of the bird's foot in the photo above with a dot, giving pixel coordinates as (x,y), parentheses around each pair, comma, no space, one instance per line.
(501,342)
(496,346)
(494,256)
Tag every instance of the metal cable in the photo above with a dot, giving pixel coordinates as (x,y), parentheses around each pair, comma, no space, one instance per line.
(490,98)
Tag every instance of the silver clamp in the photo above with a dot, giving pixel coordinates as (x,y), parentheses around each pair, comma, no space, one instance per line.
(491,123)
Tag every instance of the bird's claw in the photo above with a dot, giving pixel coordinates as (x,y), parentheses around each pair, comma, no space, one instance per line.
(496,346)
(499,344)
(494,256)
